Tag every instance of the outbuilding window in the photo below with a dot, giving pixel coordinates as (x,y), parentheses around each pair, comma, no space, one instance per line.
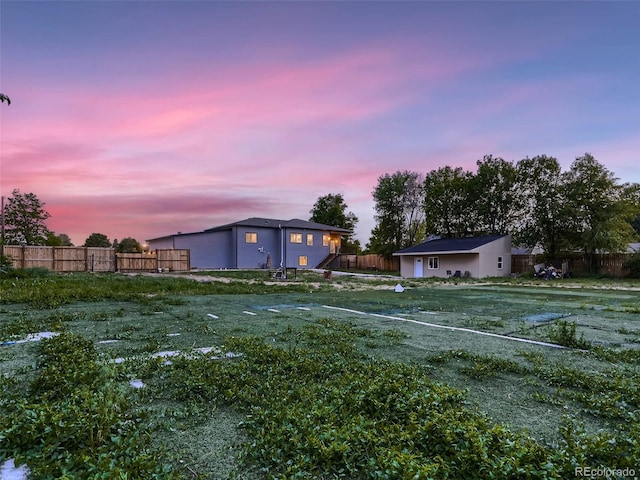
(433,263)
(500,263)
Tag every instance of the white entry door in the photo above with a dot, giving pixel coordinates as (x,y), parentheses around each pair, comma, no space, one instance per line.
(417,267)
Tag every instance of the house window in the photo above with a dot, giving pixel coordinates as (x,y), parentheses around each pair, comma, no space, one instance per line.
(500,263)
(295,237)
(310,239)
(251,237)
(433,263)
(325,240)
(302,261)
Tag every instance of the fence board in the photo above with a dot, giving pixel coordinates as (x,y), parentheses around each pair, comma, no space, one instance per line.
(610,264)
(94,259)
(174,260)
(137,262)
(366,262)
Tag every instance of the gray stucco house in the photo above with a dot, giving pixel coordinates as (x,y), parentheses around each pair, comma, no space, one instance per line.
(248,243)
(477,257)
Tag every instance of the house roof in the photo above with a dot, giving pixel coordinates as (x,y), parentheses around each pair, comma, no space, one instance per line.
(274,223)
(449,245)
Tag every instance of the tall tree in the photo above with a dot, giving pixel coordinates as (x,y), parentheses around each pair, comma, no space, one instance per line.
(598,214)
(631,195)
(97,240)
(539,182)
(448,205)
(24,220)
(399,214)
(495,195)
(129,245)
(61,240)
(331,209)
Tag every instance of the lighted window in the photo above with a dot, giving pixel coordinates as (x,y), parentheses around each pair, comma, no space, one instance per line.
(500,263)
(309,239)
(325,240)
(295,237)
(250,237)
(302,261)
(433,263)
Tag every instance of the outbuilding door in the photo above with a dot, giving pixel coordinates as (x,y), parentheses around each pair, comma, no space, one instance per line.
(417,267)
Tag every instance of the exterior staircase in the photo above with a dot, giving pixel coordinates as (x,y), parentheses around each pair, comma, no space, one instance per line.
(327,260)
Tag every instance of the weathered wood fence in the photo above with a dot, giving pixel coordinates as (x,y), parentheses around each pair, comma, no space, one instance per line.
(366,262)
(95,259)
(610,264)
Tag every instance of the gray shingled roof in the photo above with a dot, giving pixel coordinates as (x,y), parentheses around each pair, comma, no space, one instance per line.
(274,223)
(442,245)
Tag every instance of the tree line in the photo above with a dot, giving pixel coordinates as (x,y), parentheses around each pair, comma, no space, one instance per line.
(23,222)
(584,209)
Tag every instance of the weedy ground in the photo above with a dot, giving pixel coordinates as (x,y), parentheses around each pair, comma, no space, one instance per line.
(289,388)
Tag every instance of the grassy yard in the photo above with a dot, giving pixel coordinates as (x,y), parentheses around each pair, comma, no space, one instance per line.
(229,375)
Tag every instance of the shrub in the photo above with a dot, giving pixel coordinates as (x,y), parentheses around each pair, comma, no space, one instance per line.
(565,334)
(5,264)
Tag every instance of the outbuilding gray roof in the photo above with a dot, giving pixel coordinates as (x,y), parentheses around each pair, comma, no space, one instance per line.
(443,245)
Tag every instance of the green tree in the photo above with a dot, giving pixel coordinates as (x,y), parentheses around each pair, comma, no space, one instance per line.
(598,213)
(539,182)
(399,214)
(61,240)
(447,204)
(331,210)
(495,196)
(631,195)
(97,240)
(24,220)
(635,224)
(129,245)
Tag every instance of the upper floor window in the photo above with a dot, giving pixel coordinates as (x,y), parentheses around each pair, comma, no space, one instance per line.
(295,237)
(325,240)
(251,237)
(309,239)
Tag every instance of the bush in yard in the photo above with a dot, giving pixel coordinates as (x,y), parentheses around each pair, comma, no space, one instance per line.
(5,264)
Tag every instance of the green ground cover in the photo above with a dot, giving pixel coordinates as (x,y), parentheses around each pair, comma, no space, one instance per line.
(357,391)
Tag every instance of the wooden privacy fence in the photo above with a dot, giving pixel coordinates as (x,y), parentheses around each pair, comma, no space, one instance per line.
(95,259)
(366,262)
(610,264)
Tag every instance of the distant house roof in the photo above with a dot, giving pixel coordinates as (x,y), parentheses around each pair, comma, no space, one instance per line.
(273,223)
(449,245)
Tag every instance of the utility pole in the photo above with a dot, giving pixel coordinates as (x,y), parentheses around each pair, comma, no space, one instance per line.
(2,221)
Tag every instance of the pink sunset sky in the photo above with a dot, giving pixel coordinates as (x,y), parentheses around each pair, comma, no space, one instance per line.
(142,119)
